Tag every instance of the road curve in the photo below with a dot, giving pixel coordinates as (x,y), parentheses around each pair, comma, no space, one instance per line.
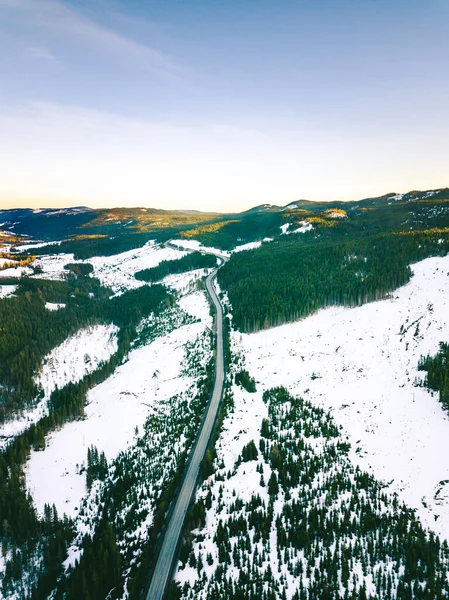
(174,529)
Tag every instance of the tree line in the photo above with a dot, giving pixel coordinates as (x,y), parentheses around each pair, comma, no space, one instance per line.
(437,368)
(189,262)
(287,280)
(28,331)
(20,525)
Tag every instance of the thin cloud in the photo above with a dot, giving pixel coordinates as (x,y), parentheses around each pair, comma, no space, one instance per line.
(40,53)
(69,24)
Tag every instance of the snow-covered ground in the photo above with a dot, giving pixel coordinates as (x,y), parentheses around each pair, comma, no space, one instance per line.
(54,305)
(52,265)
(195,245)
(7,290)
(115,408)
(248,246)
(77,356)
(33,246)
(117,272)
(303,227)
(6,261)
(16,271)
(183,282)
(196,304)
(359,364)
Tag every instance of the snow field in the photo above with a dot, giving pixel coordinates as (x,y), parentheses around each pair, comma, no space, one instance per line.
(304,226)
(183,283)
(16,271)
(117,272)
(239,428)
(196,305)
(114,409)
(7,290)
(52,266)
(195,245)
(77,356)
(5,261)
(249,246)
(359,364)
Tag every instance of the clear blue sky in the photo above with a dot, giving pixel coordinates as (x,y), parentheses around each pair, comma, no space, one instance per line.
(221,105)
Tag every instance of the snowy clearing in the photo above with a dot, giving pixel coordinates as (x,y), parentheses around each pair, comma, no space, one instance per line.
(16,272)
(357,364)
(7,261)
(183,282)
(54,305)
(117,272)
(195,245)
(33,246)
(304,226)
(115,408)
(196,304)
(52,266)
(7,290)
(77,356)
(248,246)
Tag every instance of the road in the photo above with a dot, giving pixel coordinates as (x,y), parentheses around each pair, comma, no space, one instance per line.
(175,526)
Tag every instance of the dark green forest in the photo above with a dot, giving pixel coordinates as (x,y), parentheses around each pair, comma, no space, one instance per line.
(437,368)
(287,280)
(362,256)
(335,528)
(193,260)
(20,525)
(28,331)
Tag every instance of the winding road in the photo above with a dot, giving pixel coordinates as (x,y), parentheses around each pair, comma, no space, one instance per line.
(163,569)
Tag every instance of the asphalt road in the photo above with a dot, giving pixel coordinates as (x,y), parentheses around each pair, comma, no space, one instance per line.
(174,529)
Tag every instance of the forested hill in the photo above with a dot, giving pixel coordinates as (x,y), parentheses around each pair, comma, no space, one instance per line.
(107,231)
(335,255)
(311,255)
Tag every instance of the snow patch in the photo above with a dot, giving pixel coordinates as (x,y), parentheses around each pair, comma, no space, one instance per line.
(196,304)
(54,305)
(195,245)
(7,290)
(249,246)
(6,261)
(52,266)
(77,356)
(33,246)
(118,272)
(304,226)
(16,271)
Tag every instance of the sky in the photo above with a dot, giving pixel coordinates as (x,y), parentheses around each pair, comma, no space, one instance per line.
(221,104)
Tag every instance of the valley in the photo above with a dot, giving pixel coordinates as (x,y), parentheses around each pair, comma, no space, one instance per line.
(325,475)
